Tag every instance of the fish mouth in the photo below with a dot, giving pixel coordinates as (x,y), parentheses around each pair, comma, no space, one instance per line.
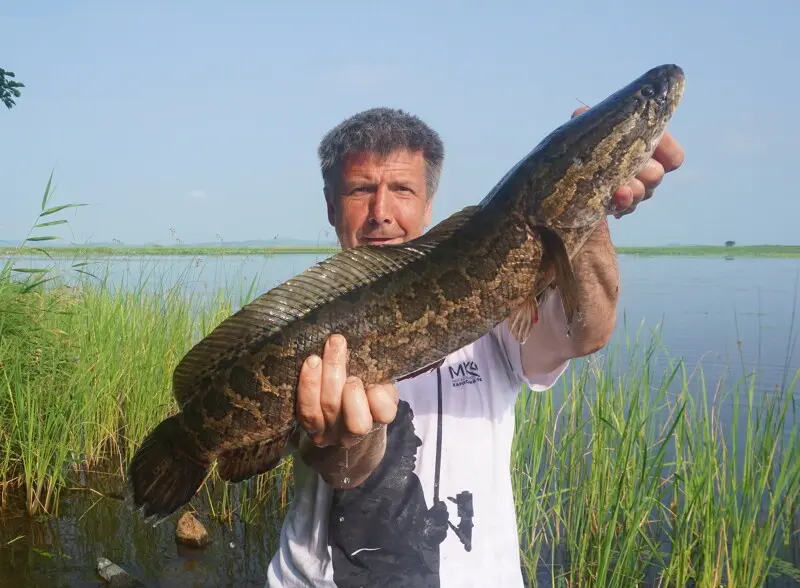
(674,79)
(671,73)
(663,85)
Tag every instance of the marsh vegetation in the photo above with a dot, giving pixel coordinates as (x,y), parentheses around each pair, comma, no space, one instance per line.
(633,470)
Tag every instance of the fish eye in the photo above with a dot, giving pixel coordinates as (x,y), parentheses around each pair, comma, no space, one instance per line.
(648,91)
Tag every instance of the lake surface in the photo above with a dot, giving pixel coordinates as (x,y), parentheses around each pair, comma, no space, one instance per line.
(737,315)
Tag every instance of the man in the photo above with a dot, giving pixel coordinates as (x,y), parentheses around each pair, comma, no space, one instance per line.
(426,500)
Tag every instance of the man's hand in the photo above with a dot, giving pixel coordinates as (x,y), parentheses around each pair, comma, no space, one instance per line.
(667,157)
(339,415)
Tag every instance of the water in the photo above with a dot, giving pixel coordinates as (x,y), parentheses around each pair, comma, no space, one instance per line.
(729,316)
(63,552)
(718,313)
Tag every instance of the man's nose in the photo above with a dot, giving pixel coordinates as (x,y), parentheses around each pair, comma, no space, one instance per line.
(380,206)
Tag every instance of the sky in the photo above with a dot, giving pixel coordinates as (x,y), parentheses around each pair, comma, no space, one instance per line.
(200,121)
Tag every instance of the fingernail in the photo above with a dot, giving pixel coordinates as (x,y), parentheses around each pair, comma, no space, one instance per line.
(313,361)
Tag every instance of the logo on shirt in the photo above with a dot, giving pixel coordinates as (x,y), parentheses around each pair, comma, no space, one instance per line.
(465,372)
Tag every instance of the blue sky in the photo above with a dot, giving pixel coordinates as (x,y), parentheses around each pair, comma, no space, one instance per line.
(205,117)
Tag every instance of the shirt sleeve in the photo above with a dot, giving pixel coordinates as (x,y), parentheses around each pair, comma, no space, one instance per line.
(538,382)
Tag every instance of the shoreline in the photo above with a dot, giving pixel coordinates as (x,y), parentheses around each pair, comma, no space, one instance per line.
(215,250)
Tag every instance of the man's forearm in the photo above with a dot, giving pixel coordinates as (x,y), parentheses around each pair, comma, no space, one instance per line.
(344,467)
(548,345)
(595,266)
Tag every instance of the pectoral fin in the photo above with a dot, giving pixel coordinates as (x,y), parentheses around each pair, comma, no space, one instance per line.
(564,279)
(522,319)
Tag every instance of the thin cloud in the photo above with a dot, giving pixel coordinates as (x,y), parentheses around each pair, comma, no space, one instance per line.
(196,193)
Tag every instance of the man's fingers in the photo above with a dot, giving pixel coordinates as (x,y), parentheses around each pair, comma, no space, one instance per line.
(669,153)
(334,373)
(623,198)
(309,412)
(627,197)
(356,416)
(382,402)
(651,176)
(335,409)
(638,190)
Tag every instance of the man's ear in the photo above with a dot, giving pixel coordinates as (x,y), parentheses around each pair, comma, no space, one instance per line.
(428,212)
(329,200)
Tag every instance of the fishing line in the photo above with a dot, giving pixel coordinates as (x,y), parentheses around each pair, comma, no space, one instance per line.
(438,439)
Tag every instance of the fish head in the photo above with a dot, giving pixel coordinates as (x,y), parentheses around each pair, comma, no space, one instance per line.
(586,160)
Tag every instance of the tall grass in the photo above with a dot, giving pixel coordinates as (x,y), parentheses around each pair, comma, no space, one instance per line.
(86,374)
(633,478)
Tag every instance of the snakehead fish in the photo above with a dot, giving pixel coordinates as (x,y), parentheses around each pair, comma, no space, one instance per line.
(401,307)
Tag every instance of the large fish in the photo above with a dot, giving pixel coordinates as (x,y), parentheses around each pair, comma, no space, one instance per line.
(401,307)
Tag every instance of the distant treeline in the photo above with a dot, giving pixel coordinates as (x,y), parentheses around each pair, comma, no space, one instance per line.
(716,250)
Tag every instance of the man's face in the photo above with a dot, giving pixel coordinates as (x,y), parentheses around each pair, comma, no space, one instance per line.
(380,200)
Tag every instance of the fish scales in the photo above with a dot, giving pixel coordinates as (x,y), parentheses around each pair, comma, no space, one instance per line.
(401,307)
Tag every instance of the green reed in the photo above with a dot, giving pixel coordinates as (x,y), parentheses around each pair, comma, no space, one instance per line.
(632,478)
(85,375)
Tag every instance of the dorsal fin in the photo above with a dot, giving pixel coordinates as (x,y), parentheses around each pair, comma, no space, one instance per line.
(445,229)
(296,298)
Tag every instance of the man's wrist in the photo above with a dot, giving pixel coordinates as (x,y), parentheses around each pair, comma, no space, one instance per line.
(345,467)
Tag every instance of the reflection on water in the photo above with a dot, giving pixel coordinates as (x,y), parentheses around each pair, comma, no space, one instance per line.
(65,550)
(722,314)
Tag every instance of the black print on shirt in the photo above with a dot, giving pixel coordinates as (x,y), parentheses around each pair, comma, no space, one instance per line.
(382,533)
(463,501)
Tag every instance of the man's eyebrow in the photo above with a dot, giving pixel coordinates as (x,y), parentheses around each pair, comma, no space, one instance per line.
(361,183)
(402,183)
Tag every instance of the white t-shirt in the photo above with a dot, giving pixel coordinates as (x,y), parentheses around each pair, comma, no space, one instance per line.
(391,531)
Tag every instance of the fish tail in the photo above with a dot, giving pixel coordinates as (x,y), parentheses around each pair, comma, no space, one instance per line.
(166,471)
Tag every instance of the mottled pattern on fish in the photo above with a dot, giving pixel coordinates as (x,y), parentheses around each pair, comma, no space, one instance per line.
(401,307)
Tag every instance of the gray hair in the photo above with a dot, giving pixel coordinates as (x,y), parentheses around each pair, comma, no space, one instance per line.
(381,131)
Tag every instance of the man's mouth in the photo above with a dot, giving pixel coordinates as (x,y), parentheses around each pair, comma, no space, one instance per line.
(382,240)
